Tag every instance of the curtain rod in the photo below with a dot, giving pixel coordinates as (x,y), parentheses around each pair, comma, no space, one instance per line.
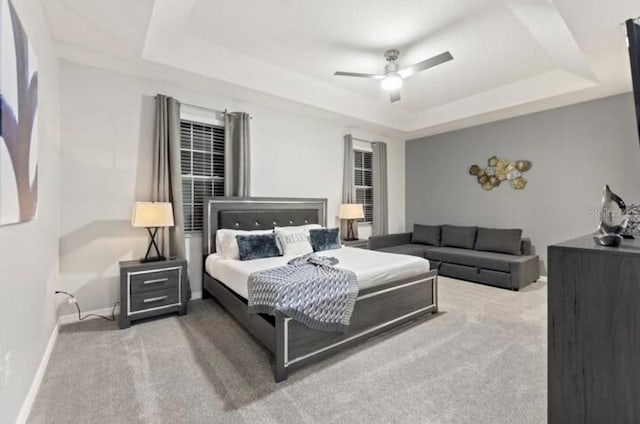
(208,109)
(361,139)
(202,108)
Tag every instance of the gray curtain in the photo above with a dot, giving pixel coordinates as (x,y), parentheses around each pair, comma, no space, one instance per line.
(237,177)
(348,193)
(166,181)
(380,202)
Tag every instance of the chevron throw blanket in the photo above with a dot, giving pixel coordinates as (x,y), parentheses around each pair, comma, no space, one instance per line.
(310,289)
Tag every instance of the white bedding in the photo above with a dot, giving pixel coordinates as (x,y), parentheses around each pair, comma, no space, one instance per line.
(372,268)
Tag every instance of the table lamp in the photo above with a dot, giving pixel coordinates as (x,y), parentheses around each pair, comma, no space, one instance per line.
(351,212)
(152,215)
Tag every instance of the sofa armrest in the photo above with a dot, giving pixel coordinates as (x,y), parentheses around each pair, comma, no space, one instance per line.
(524,270)
(389,240)
(526,247)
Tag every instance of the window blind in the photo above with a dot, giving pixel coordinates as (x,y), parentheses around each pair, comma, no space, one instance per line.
(363,182)
(202,161)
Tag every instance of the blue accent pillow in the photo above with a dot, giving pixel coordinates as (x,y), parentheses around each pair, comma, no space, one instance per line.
(325,239)
(257,246)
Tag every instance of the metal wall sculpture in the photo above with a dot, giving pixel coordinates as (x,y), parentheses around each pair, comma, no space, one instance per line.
(18,120)
(499,170)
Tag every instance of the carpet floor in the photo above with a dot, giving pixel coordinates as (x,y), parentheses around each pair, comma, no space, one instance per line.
(481,360)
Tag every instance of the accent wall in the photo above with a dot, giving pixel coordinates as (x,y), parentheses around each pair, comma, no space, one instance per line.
(575,151)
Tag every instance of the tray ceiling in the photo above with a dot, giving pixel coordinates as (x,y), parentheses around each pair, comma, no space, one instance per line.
(511,56)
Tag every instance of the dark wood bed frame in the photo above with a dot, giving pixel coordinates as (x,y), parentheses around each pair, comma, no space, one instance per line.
(378,309)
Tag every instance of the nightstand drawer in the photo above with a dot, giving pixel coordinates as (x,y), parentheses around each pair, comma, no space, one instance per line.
(157,280)
(153,299)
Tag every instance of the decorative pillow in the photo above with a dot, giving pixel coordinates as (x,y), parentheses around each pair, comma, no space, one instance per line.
(306,228)
(426,234)
(455,236)
(325,239)
(227,244)
(293,241)
(257,246)
(499,240)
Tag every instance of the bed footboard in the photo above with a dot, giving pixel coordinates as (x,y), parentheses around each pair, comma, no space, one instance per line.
(376,312)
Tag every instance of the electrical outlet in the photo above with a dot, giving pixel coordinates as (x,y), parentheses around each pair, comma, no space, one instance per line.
(72,300)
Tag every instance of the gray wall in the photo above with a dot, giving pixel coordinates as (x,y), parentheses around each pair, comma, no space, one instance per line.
(575,151)
(29,251)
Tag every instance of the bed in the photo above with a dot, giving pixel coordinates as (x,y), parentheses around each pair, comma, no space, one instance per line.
(393,289)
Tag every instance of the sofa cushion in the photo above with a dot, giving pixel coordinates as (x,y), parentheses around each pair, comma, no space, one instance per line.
(499,240)
(426,234)
(406,249)
(455,236)
(474,258)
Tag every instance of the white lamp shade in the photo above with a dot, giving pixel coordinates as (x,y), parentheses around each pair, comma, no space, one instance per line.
(351,211)
(152,214)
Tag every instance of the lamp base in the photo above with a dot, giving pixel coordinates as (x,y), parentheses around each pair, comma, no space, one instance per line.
(350,234)
(153,259)
(152,243)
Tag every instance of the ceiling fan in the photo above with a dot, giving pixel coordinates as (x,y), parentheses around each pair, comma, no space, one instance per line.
(393,77)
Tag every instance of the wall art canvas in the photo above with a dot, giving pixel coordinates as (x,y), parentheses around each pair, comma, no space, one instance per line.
(18,120)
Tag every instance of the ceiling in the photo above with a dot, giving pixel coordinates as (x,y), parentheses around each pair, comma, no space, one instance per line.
(511,56)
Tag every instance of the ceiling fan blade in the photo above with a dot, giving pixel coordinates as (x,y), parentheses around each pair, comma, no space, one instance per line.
(425,64)
(394,95)
(356,74)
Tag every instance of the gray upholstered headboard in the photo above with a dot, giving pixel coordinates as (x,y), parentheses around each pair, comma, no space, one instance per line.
(258,213)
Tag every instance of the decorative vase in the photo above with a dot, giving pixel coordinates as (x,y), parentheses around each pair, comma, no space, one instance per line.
(613,219)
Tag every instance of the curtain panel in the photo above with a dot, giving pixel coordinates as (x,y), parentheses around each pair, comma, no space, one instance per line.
(348,192)
(237,170)
(380,202)
(167,181)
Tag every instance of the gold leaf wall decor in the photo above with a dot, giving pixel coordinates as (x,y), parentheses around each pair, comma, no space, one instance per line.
(499,170)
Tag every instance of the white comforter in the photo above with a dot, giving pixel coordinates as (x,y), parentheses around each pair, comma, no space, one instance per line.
(372,268)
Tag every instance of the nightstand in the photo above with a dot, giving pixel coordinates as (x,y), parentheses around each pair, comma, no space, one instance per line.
(152,288)
(362,244)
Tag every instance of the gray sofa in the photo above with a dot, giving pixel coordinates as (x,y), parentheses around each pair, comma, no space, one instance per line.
(498,257)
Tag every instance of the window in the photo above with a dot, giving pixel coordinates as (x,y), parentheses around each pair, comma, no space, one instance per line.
(202,162)
(363,182)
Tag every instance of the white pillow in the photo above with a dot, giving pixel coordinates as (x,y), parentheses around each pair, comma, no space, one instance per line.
(227,244)
(304,228)
(293,241)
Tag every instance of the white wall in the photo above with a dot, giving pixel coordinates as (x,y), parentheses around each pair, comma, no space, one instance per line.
(29,252)
(575,151)
(107,131)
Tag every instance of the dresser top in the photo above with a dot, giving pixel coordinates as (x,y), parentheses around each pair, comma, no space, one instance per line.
(586,243)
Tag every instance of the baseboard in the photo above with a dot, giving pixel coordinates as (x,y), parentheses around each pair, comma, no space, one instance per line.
(71,318)
(25,410)
(542,279)
(196,295)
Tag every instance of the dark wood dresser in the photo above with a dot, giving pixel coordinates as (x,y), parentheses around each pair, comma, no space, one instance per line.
(594,332)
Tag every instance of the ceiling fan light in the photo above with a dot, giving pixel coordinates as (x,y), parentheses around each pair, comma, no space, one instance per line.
(392,82)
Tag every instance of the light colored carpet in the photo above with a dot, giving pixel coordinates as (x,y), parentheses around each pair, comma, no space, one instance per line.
(481,360)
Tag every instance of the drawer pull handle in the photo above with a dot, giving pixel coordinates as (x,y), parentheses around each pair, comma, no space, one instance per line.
(159,280)
(155,299)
